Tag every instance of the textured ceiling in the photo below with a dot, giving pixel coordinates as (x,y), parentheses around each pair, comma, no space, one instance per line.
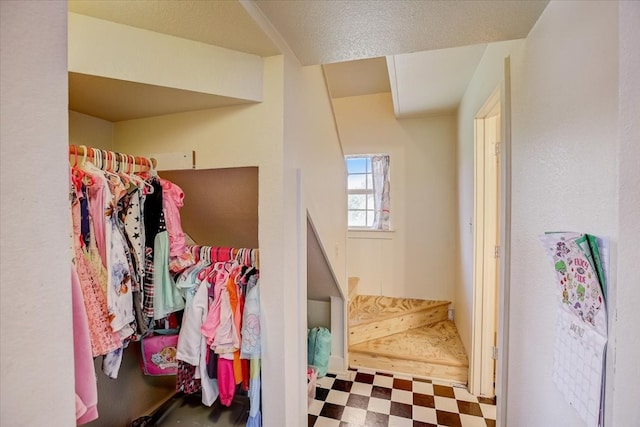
(350,37)
(322,32)
(221,23)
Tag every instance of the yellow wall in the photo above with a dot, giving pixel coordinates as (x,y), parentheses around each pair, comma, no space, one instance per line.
(417,259)
(103,48)
(244,136)
(312,147)
(90,131)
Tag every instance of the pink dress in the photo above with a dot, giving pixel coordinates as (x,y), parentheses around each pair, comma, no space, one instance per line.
(103,339)
(85,374)
(172,201)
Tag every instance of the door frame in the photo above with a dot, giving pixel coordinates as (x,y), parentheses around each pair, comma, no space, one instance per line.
(504,283)
(487,192)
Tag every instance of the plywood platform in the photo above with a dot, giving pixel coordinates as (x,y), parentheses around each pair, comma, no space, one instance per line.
(404,335)
(438,343)
(373,317)
(433,351)
(368,308)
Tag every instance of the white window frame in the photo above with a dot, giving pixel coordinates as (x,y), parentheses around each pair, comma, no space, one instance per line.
(368,191)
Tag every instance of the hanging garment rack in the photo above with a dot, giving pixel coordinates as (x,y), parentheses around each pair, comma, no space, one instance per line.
(215,254)
(110,160)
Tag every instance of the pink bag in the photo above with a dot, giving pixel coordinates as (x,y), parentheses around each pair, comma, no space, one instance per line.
(159,353)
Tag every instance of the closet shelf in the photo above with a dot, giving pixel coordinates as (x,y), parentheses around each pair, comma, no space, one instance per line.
(117,100)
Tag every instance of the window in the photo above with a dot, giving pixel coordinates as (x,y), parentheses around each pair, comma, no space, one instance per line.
(368,192)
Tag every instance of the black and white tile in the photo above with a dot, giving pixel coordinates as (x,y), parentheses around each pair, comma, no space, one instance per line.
(367,398)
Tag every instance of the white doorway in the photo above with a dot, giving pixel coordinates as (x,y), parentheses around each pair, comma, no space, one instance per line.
(486,271)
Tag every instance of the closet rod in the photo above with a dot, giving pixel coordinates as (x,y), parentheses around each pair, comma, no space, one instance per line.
(111,157)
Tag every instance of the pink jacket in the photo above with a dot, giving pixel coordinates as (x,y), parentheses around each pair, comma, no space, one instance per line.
(85,374)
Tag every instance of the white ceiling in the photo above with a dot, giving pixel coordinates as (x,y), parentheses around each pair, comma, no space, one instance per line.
(434,81)
(433,46)
(322,32)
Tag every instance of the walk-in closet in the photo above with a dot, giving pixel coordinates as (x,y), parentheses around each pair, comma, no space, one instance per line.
(155,96)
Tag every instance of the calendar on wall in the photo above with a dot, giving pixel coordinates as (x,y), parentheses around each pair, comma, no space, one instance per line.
(580,263)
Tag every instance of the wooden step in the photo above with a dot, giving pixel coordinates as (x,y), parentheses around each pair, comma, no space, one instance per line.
(433,351)
(372,317)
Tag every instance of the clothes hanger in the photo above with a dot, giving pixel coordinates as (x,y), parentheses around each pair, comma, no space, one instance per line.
(80,170)
(76,174)
(152,167)
(84,157)
(143,175)
(97,158)
(142,162)
(97,164)
(255,258)
(122,164)
(136,177)
(108,164)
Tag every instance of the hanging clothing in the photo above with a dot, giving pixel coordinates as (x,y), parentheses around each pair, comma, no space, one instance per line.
(195,312)
(186,381)
(133,222)
(192,345)
(218,278)
(226,340)
(128,241)
(166,297)
(85,376)
(226,381)
(255,417)
(251,334)
(98,192)
(152,213)
(172,201)
(102,338)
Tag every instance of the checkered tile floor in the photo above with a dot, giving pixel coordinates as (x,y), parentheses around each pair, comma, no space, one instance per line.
(373,399)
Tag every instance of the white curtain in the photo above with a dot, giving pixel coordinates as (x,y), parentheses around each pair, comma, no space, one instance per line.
(381,203)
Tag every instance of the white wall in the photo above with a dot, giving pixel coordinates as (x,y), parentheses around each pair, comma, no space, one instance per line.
(622,399)
(416,259)
(36,343)
(90,131)
(565,118)
(564,177)
(488,76)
